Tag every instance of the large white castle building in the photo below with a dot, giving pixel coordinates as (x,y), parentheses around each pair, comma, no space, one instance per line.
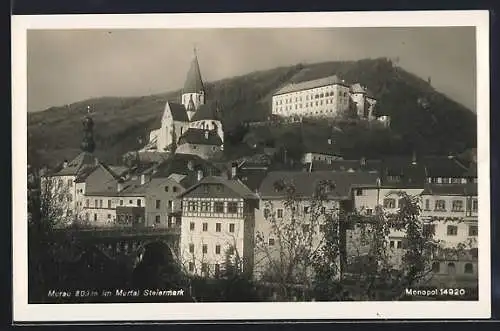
(326,97)
(191,126)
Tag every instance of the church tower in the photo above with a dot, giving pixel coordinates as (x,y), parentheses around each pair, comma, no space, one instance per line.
(193,94)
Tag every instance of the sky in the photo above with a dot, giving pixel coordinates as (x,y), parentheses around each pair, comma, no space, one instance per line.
(66,66)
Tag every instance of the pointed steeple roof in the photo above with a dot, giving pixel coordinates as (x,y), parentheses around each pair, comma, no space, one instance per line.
(194,83)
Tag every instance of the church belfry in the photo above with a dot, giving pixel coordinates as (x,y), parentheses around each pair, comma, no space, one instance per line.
(193,93)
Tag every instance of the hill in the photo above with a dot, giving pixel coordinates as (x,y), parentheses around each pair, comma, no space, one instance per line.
(422,118)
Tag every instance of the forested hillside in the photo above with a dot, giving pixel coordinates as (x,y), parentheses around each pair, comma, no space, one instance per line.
(422,118)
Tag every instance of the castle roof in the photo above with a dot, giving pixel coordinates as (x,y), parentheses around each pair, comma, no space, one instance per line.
(357,88)
(200,137)
(310,84)
(194,83)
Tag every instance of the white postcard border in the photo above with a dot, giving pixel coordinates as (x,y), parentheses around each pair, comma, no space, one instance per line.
(24,312)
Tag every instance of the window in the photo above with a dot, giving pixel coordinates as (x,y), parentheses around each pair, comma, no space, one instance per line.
(205,226)
(70,183)
(174,188)
(359,191)
(169,204)
(205,248)
(468,268)
(440,205)
(130,202)
(218,227)
(232,207)
(451,268)
(369,211)
(191,266)
(157,219)
(217,249)
(267,212)
(306,209)
(473,230)
(100,203)
(427,204)
(95,217)
(271,241)
(121,202)
(322,227)
(87,203)
(157,204)
(400,203)
(451,230)
(399,244)
(192,206)
(457,205)
(436,266)
(279,213)
(231,227)
(323,210)
(191,226)
(219,207)
(205,206)
(391,244)
(474,205)
(204,268)
(96,202)
(389,203)
(166,188)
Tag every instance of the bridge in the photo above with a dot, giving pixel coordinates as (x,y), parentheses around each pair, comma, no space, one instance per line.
(120,242)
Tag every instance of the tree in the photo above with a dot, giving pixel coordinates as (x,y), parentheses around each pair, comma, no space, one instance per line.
(371,270)
(294,238)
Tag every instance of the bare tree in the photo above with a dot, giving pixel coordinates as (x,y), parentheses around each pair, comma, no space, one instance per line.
(294,239)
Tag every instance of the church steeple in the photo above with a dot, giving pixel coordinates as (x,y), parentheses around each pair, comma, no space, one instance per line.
(194,83)
(193,93)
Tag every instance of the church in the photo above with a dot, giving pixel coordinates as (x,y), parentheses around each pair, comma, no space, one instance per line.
(193,126)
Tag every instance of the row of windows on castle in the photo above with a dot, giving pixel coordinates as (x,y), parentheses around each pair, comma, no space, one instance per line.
(312,97)
(307,105)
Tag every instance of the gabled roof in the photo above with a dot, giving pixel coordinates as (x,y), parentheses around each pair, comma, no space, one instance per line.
(200,137)
(469,189)
(185,165)
(305,183)
(236,186)
(310,84)
(194,83)
(178,111)
(205,112)
(442,166)
(78,164)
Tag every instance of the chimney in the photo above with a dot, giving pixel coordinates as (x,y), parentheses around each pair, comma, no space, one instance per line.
(363,161)
(206,134)
(190,165)
(199,174)
(65,164)
(144,179)
(414,158)
(234,170)
(119,186)
(329,141)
